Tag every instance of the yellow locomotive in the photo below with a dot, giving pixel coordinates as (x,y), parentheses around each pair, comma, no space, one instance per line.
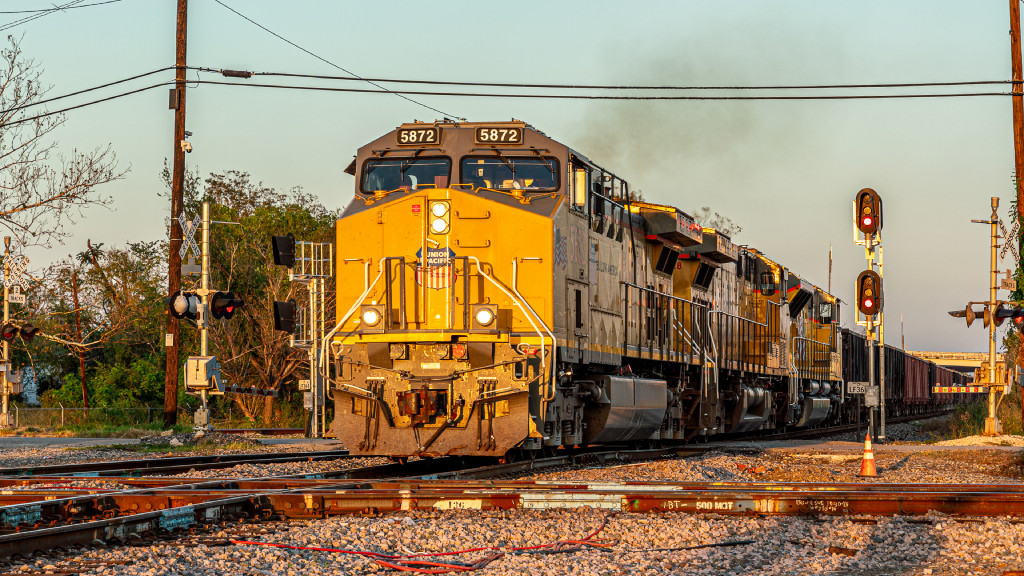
(496,290)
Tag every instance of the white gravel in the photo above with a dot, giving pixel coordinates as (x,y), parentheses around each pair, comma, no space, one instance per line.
(783,546)
(285,468)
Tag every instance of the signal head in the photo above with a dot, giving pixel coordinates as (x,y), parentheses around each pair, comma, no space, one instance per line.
(869,293)
(284,250)
(869,211)
(224,304)
(9,332)
(184,305)
(284,316)
(29,332)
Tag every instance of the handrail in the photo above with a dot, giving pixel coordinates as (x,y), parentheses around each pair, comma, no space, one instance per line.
(359,301)
(681,330)
(554,343)
(665,294)
(809,347)
(511,297)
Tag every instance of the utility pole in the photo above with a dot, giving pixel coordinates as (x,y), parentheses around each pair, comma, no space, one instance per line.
(1018,104)
(1018,119)
(177,102)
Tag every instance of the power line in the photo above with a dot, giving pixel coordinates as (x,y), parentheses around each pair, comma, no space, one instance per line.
(608,97)
(107,99)
(53,9)
(83,91)
(326,61)
(624,87)
(47,12)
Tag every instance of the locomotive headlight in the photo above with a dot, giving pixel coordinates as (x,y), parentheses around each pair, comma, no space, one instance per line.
(440,217)
(484,315)
(371,316)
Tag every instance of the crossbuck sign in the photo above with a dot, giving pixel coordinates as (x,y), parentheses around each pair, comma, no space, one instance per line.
(1010,239)
(188,235)
(15,279)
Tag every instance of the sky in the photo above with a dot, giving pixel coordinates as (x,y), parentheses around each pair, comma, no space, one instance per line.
(786,171)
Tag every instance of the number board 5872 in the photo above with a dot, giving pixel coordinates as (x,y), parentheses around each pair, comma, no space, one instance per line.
(418,136)
(499,135)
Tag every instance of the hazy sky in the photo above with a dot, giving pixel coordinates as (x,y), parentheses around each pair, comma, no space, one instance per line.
(785,171)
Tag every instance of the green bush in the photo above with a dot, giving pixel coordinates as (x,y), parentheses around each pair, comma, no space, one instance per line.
(969,419)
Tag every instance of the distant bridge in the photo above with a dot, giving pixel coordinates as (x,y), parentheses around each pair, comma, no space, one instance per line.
(960,361)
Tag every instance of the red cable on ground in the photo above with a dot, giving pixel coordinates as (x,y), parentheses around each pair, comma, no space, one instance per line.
(406,562)
(424,567)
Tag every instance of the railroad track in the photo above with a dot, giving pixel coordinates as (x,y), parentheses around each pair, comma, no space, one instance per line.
(61,515)
(169,464)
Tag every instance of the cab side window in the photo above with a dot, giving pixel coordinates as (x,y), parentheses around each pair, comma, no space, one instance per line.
(580,186)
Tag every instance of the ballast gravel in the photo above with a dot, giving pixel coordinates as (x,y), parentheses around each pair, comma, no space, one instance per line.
(933,545)
(56,455)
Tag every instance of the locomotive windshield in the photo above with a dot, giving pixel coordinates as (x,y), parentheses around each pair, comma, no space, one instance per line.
(509,172)
(385,174)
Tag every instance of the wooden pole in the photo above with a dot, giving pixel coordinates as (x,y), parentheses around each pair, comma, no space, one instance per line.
(177,199)
(1018,117)
(1018,102)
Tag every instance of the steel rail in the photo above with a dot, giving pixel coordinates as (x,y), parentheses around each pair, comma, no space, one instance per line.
(158,465)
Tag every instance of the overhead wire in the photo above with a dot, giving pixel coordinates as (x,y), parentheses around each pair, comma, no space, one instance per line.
(605,96)
(246,74)
(666,87)
(328,62)
(48,11)
(83,105)
(53,9)
(85,90)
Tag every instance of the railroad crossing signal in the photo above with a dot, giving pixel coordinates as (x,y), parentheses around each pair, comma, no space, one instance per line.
(184,305)
(869,292)
(1002,312)
(1013,311)
(12,331)
(869,211)
(969,313)
(224,304)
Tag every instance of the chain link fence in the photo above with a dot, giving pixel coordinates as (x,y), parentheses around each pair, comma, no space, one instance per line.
(62,416)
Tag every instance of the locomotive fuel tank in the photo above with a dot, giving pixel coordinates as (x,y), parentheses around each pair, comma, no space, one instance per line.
(625,409)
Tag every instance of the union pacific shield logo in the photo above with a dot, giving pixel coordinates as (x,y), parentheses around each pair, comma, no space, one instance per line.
(436,269)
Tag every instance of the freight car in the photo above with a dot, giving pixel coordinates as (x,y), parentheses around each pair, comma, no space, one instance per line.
(497,290)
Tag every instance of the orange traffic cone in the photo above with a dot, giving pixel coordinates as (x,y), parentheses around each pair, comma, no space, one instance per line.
(867,466)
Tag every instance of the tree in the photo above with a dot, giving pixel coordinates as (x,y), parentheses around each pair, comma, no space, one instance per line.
(103,308)
(723,224)
(41,190)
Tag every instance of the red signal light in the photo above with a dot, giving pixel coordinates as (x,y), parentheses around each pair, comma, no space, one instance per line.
(1017,319)
(868,216)
(869,293)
